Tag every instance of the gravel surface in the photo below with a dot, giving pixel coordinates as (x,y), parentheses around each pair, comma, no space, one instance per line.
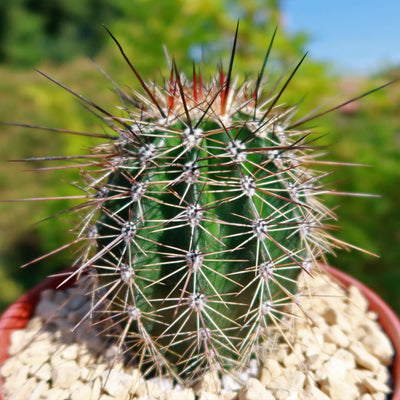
(337,351)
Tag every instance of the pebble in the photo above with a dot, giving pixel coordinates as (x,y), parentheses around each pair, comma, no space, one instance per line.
(208,396)
(374,386)
(379,345)
(338,352)
(254,390)
(147,388)
(270,370)
(340,389)
(363,358)
(42,372)
(40,390)
(185,394)
(313,393)
(208,383)
(335,335)
(65,374)
(118,384)
(24,391)
(358,304)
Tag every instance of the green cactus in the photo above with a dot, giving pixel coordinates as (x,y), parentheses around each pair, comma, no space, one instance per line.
(204,215)
(202,211)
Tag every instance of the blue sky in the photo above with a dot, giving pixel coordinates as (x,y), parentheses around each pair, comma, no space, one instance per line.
(358,36)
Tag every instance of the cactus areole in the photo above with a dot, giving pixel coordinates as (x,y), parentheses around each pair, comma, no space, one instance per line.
(202,211)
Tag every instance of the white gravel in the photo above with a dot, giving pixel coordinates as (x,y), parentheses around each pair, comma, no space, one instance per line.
(337,351)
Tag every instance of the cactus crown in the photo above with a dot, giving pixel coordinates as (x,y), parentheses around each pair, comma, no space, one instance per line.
(201,211)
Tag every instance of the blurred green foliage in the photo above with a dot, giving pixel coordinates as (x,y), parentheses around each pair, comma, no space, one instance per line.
(41,34)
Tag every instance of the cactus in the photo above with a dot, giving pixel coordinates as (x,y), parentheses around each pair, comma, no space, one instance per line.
(201,211)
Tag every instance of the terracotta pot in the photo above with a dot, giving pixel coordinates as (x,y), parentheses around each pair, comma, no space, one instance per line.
(19,313)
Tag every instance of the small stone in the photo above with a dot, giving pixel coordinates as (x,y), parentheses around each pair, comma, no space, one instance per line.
(373,315)
(229,395)
(24,391)
(208,396)
(329,349)
(42,372)
(229,382)
(373,386)
(366,396)
(293,360)
(358,333)
(208,383)
(382,374)
(17,379)
(65,374)
(69,352)
(356,376)
(340,389)
(85,374)
(98,369)
(85,392)
(378,396)
(295,379)
(318,320)
(118,384)
(335,317)
(165,384)
(313,393)
(39,391)
(335,368)
(34,325)
(363,358)
(357,300)
(280,387)
(38,352)
(19,339)
(346,358)
(312,341)
(281,353)
(96,388)
(254,390)
(315,361)
(11,365)
(270,370)
(146,388)
(379,345)
(335,335)
(185,394)
(58,394)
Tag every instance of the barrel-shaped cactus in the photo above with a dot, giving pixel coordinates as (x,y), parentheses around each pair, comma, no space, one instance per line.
(202,211)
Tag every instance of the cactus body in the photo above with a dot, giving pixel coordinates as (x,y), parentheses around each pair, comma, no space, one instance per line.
(204,213)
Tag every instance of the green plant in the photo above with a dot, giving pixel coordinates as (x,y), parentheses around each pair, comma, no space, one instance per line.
(201,209)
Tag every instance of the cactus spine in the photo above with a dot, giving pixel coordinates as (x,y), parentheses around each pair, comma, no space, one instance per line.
(204,212)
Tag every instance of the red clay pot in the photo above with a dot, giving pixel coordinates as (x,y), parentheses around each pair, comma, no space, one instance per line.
(19,313)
